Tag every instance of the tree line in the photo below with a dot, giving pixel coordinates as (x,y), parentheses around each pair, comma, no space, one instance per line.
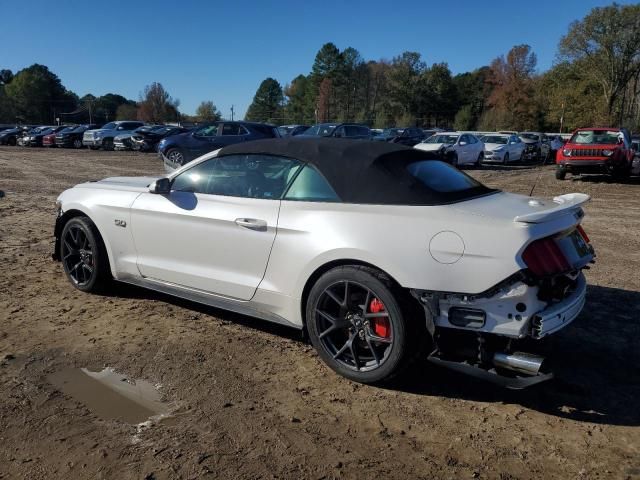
(35,95)
(595,80)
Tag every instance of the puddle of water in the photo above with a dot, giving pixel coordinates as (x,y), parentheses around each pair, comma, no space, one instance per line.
(111,395)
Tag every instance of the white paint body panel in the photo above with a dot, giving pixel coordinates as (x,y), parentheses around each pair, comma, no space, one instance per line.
(190,245)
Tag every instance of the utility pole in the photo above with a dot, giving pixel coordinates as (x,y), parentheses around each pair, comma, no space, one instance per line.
(232,112)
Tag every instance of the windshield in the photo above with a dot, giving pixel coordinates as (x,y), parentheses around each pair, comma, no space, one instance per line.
(68,129)
(322,130)
(162,130)
(530,136)
(495,139)
(392,132)
(597,137)
(448,139)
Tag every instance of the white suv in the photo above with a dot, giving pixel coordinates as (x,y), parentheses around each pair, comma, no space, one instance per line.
(103,137)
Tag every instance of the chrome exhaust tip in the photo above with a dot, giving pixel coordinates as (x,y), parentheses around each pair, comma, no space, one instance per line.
(519,362)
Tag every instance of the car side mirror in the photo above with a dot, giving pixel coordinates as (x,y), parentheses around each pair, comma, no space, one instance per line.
(462,144)
(162,186)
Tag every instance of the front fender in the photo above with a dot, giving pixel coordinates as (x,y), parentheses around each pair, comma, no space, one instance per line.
(109,210)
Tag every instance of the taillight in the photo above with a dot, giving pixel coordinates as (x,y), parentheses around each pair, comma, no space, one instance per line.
(583,234)
(544,257)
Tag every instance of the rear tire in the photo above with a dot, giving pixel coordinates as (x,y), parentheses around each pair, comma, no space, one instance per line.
(359,342)
(84,256)
(479,160)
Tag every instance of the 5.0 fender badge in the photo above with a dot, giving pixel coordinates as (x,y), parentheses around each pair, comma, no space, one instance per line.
(120,223)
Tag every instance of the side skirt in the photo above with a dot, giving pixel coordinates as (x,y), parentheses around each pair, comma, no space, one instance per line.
(237,306)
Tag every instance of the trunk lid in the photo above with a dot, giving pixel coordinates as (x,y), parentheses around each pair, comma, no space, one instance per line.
(522,209)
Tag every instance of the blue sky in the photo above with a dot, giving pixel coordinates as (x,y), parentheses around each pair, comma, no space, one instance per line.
(221,51)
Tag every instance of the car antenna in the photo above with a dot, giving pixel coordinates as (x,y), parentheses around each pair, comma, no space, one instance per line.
(533,187)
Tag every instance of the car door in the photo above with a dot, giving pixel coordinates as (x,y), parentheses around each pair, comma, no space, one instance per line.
(519,147)
(512,148)
(201,141)
(463,149)
(214,231)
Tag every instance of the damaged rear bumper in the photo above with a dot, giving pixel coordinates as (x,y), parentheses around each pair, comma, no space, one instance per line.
(479,335)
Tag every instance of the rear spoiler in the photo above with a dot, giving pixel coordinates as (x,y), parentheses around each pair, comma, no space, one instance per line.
(564,204)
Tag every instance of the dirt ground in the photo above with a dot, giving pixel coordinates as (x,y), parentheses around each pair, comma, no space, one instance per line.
(250,400)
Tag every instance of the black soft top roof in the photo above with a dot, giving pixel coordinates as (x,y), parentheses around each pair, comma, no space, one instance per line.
(358,170)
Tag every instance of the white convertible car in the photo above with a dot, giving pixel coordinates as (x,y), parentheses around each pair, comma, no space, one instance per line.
(374,252)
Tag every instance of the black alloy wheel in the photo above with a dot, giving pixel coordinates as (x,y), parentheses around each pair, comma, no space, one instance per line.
(83,255)
(357,325)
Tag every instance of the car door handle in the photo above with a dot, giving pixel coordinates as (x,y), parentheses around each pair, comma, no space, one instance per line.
(252,224)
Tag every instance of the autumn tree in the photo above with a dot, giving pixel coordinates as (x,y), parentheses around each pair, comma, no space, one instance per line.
(207,112)
(606,44)
(295,95)
(156,105)
(512,99)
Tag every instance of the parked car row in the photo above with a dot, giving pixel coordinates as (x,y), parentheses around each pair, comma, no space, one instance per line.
(119,135)
(590,150)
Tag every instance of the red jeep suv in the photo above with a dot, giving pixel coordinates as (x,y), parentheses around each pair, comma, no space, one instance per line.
(596,150)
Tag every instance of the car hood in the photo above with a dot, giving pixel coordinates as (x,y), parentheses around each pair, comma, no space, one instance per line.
(492,146)
(511,207)
(430,147)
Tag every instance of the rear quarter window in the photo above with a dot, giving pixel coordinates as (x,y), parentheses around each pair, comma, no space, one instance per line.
(311,186)
(441,177)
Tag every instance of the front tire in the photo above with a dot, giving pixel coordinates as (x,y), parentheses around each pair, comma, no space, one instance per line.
(84,256)
(357,326)
(77,143)
(505,159)
(561,173)
(175,156)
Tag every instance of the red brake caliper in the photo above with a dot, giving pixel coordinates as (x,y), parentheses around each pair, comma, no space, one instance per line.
(380,325)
